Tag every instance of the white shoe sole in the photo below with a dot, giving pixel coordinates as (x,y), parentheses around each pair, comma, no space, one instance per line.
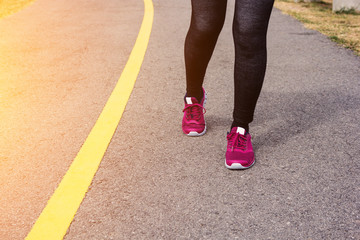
(196,134)
(238,166)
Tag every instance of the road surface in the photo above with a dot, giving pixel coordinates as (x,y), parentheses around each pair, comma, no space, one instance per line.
(62,60)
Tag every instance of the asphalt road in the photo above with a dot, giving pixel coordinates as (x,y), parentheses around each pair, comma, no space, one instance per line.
(154,182)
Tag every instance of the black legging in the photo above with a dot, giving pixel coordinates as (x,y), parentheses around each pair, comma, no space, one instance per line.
(250,25)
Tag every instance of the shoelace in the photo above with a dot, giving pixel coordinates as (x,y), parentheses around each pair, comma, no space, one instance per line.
(194,110)
(238,142)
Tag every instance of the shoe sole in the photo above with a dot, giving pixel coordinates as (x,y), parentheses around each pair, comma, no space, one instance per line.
(238,166)
(196,134)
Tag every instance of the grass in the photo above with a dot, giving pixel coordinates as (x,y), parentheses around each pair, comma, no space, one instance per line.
(342,27)
(8,7)
(347,11)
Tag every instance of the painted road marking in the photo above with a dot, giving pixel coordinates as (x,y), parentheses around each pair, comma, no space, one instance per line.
(9,7)
(62,206)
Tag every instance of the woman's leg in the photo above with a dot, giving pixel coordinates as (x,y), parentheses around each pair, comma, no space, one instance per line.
(207,20)
(249,31)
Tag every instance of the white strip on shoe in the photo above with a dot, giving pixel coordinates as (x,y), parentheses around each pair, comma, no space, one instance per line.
(188,100)
(240,130)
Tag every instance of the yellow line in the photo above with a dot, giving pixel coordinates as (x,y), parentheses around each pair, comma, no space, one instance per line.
(10,7)
(62,206)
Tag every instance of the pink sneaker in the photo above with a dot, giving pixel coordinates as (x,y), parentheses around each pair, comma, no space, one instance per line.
(193,123)
(239,153)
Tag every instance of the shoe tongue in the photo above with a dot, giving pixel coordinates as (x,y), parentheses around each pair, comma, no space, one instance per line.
(191,100)
(240,130)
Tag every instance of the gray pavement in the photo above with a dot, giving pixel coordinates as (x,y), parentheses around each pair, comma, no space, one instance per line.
(59,63)
(156,183)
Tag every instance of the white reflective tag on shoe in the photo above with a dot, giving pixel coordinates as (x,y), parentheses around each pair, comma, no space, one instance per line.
(188,100)
(240,130)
